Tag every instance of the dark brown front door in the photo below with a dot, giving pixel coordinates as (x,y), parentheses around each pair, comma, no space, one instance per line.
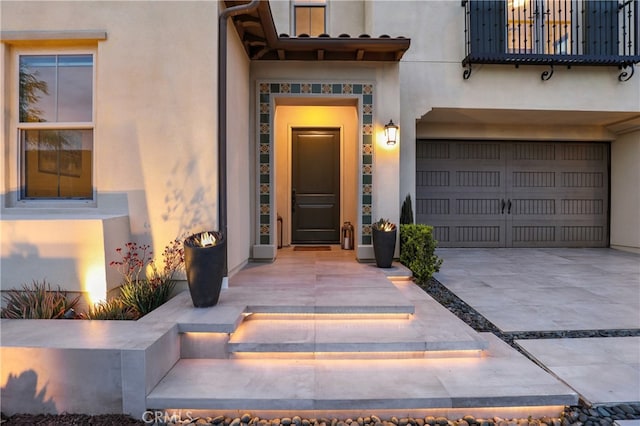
(315,186)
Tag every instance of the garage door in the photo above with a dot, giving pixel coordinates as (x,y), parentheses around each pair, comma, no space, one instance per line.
(513,194)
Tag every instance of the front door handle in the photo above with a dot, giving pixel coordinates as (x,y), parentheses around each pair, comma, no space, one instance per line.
(509,207)
(293,201)
(503,205)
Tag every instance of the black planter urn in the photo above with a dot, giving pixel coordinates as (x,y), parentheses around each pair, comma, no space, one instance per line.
(204,265)
(384,246)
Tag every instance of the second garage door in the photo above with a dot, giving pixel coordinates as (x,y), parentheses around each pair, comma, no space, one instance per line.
(513,194)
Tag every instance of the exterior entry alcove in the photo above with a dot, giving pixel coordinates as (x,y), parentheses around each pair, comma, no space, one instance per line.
(318,114)
(313,104)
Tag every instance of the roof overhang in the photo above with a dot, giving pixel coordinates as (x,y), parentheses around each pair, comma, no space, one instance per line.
(261,41)
(616,122)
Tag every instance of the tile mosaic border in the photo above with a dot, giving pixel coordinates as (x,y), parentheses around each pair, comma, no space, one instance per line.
(266,93)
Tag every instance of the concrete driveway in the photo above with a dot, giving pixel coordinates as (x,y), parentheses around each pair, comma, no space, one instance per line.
(561,290)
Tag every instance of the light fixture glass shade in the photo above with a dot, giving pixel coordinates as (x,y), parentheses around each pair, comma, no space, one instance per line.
(391,133)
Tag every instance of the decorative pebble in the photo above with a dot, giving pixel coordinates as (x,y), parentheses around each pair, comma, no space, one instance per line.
(571,416)
(626,408)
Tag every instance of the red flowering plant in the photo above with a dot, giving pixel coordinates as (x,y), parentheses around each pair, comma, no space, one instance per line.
(145,286)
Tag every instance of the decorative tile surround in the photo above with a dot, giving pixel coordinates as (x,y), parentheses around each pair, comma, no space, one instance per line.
(267,91)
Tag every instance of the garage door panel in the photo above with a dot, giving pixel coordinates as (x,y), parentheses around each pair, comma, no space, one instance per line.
(527,235)
(519,194)
(469,235)
(572,234)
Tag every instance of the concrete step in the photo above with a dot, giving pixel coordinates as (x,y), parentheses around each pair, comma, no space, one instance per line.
(356,334)
(501,382)
(430,331)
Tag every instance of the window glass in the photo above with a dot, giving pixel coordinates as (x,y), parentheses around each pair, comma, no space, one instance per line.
(539,26)
(56,159)
(56,88)
(310,17)
(57,163)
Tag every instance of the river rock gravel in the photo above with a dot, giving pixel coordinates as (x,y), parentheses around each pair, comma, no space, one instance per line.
(572,416)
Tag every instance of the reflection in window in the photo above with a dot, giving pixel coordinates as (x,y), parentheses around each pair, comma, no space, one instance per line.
(310,17)
(539,26)
(57,163)
(56,159)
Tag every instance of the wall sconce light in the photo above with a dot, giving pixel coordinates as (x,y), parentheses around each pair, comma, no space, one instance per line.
(391,133)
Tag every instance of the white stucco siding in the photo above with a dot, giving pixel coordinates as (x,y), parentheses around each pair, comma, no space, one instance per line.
(431,70)
(346,17)
(240,154)
(625,192)
(155,142)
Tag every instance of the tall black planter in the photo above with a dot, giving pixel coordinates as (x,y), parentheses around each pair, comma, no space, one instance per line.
(205,270)
(384,246)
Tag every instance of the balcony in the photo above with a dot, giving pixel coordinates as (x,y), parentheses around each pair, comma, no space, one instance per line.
(552,32)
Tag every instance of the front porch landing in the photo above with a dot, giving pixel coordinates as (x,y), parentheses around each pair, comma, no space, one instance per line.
(324,335)
(313,332)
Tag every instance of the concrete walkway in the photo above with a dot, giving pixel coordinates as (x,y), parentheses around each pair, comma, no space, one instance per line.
(323,333)
(361,339)
(560,290)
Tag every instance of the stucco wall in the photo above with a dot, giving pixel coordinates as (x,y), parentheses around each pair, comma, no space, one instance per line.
(34,249)
(625,192)
(240,154)
(155,116)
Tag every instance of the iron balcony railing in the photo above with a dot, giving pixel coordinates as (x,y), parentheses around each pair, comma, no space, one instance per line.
(552,32)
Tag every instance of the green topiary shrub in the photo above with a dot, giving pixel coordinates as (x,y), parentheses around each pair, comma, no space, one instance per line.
(406,212)
(37,301)
(417,251)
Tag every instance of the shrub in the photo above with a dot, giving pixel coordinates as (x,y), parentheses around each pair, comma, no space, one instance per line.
(417,251)
(37,301)
(143,296)
(145,287)
(114,309)
(406,212)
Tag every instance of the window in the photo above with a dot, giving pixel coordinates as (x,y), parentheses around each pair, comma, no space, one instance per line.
(541,26)
(550,27)
(551,32)
(55,129)
(310,17)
